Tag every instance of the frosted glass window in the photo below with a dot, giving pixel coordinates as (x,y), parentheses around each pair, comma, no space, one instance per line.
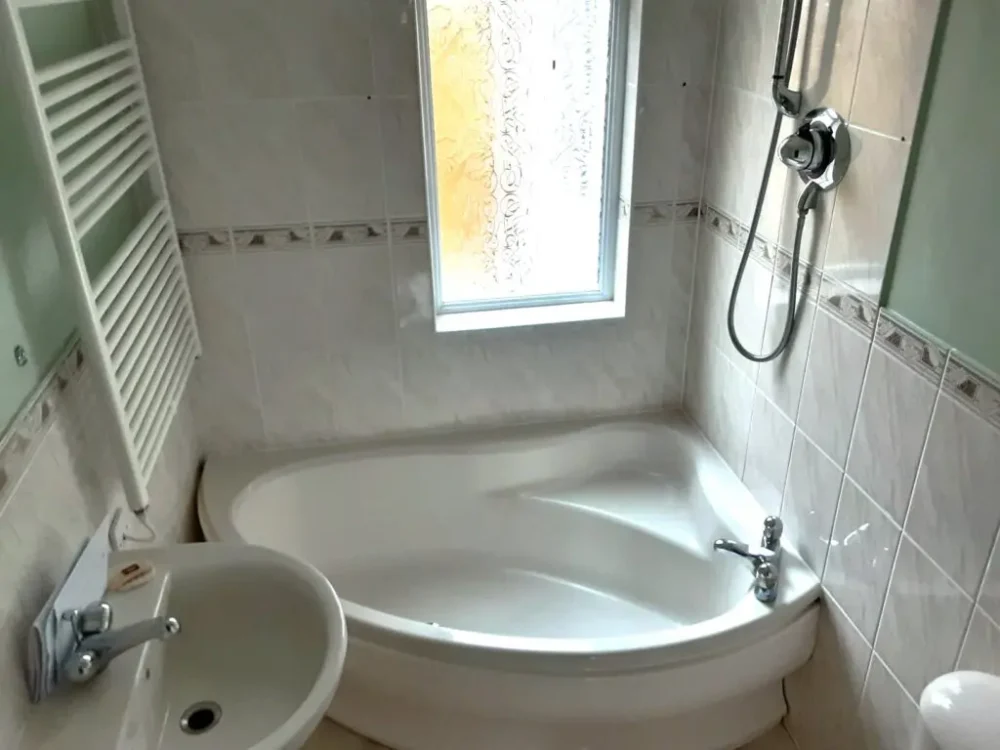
(522,146)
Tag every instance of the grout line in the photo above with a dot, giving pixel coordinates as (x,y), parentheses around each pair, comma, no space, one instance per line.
(857,61)
(906,517)
(387,222)
(843,478)
(892,674)
(975,604)
(831,598)
(702,204)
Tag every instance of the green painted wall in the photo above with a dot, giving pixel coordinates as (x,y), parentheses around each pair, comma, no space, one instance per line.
(37,310)
(946,275)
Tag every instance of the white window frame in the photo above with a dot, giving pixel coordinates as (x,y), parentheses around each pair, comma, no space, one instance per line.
(609,300)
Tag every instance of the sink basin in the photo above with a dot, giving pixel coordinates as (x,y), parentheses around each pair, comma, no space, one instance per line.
(254,667)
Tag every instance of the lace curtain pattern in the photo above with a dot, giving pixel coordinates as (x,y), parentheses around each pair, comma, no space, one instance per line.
(519,92)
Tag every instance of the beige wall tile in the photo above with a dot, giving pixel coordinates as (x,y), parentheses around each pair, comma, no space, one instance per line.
(981,649)
(824,695)
(890,717)
(865,211)
(923,607)
(893,419)
(862,550)
(955,514)
(832,386)
(768,449)
(810,501)
(894,57)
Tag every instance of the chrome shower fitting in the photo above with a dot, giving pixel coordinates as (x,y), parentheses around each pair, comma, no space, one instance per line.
(819,151)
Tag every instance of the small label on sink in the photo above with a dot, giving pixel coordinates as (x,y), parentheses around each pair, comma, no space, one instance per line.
(130,576)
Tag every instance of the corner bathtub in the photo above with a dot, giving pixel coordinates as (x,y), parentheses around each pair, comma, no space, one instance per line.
(545,588)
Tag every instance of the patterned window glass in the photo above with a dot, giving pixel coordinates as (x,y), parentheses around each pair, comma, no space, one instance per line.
(519,92)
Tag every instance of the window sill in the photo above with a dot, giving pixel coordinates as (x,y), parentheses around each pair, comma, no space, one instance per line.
(528,316)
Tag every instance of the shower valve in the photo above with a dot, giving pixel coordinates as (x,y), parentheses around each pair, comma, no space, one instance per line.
(820,149)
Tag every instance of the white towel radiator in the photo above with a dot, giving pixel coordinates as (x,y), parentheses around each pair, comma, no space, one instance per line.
(94,135)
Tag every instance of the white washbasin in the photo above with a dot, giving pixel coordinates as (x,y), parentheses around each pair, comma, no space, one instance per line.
(254,667)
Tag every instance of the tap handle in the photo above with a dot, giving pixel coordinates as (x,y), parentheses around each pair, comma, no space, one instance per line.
(771,537)
(765,580)
(93,619)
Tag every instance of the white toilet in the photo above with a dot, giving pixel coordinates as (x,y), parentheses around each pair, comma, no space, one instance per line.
(961,711)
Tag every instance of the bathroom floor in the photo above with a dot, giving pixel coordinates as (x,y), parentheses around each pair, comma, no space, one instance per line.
(330,736)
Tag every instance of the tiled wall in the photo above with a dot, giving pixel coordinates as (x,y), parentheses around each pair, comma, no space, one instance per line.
(878,447)
(292,147)
(57,482)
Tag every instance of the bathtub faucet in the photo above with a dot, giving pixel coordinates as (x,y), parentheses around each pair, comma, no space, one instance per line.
(765,559)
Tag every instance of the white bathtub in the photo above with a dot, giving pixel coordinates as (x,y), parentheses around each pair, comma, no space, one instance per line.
(546,588)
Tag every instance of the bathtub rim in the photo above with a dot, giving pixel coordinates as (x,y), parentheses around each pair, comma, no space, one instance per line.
(227,479)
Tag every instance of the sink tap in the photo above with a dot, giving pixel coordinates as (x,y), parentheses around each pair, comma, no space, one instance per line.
(765,559)
(97,644)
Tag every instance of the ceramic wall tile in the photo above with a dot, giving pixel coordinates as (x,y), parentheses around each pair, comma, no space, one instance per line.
(973,387)
(862,550)
(824,695)
(239,61)
(534,372)
(166,33)
(826,61)
(714,278)
(832,386)
(224,388)
(923,607)
(781,379)
(989,596)
(406,193)
(394,45)
(815,234)
(742,121)
(810,501)
(981,649)
(955,515)
(893,418)
(194,165)
(889,716)
(657,131)
(720,398)
(321,43)
(746,45)
(894,59)
(865,212)
(768,450)
(342,169)
(690,158)
(678,41)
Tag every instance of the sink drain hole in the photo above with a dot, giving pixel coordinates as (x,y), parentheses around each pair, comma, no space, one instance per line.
(200,717)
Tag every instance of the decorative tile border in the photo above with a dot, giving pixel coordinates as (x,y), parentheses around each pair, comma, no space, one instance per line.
(736,233)
(972,385)
(355,233)
(852,307)
(18,443)
(809,275)
(336,234)
(722,224)
(409,230)
(915,349)
(205,241)
(687,211)
(294,237)
(849,305)
(653,214)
